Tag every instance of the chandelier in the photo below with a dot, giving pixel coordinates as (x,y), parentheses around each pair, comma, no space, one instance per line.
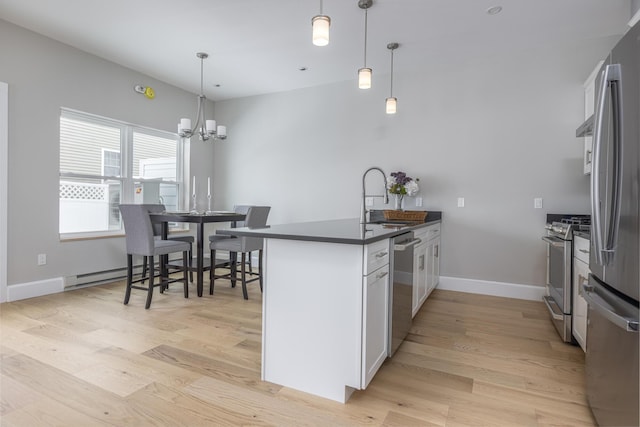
(205,128)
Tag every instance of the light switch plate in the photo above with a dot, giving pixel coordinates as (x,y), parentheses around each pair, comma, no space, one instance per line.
(419,202)
(461,202)
(368,201)
(537,203)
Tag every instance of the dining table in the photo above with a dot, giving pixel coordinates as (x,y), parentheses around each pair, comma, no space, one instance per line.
(200,219)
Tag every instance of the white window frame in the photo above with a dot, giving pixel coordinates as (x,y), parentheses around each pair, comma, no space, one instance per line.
(127,181)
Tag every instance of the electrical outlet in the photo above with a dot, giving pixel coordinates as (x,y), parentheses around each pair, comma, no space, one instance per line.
(537,203)
(419,202)
(461,202)
(368,201)
(42,259)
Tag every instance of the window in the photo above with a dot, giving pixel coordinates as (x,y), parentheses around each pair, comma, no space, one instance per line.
(105,162)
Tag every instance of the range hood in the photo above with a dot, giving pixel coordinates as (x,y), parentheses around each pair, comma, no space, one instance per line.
(586,128)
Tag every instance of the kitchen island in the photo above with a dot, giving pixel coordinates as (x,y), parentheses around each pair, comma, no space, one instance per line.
(326,303)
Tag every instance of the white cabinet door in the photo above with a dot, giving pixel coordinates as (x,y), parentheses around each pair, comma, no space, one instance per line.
(420,265)
(579,315)
(375,332)
(433,270)
(589,107)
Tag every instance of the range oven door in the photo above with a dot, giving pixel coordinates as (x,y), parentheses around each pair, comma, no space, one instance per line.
(558,301)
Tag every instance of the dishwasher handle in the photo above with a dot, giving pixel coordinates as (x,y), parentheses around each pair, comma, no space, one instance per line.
(406,245)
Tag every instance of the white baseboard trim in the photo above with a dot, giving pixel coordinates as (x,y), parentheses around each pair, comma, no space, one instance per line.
(35,289)
(499,289)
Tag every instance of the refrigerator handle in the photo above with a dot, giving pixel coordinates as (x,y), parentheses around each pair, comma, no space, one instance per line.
(615,78)
(610,73)
(600,305)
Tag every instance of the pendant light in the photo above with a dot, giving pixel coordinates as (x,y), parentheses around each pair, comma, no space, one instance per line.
(320,28)
(208,128)
(392,102)
(364,73)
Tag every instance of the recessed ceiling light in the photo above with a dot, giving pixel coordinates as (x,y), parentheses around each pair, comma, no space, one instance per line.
(494,10)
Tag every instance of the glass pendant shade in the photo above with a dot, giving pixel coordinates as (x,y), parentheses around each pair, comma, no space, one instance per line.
(364,78)
(392,104)
(320,25)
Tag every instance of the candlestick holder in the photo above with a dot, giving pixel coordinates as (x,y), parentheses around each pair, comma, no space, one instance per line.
(209,211)
(194,209)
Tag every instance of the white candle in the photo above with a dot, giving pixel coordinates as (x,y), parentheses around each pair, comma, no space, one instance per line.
(211,125)
(222,130)
(194,185)
(185,124)
(208,186)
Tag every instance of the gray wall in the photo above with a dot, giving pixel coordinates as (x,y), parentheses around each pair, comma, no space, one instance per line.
(497,132)
(43,76)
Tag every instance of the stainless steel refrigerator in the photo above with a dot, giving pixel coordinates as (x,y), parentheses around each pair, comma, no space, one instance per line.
(612,292)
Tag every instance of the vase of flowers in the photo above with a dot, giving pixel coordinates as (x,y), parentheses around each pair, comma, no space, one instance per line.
(400,185)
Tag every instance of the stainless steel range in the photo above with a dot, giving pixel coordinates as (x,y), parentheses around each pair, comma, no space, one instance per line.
(559,238)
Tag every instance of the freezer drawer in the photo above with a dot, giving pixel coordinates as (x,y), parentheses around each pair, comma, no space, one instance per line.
(612,357)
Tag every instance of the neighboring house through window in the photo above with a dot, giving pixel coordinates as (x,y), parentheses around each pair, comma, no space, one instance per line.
(105,162)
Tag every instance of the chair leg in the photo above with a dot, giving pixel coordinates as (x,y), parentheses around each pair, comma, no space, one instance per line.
(233,259)
(127,292)
(212,271)
(190,262)
(144,268)
(243,270)
(185,277)
(152,274)
(260,268)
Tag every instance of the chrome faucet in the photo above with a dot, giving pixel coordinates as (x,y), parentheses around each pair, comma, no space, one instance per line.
(385,196)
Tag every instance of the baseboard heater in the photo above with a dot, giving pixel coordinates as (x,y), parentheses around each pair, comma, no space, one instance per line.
(98,278)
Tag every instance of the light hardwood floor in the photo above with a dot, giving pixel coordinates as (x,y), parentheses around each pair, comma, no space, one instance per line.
(82,358)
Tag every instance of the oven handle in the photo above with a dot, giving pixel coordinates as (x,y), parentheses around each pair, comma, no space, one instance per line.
(551,306)
(553,242)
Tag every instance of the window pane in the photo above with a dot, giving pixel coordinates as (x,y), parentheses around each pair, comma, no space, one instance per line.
(82,144)
(89,205)
(154,157)
(110,163)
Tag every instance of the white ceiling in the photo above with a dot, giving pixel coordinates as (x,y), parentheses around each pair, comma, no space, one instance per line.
(258,46)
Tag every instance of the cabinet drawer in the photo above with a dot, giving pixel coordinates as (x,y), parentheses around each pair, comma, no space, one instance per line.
(428,233)
(376,255)
(581,248)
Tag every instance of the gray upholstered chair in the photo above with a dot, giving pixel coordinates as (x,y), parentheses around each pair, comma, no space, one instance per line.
(157,231)
(256,218)
(141,241)
(241,209)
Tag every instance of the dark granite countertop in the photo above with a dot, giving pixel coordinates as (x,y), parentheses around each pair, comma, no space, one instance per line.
(347,231)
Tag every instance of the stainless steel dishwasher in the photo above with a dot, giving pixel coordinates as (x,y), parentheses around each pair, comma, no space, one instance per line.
(401,289)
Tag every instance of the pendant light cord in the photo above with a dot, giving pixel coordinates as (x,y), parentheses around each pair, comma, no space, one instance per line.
(391,95)
(365,37)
